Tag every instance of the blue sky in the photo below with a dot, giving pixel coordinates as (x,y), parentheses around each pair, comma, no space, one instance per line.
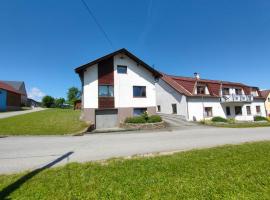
(41,42)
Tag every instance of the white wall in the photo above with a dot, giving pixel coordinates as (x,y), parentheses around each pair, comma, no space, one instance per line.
(166,96)
(136,76)
(196,107)
(90,87)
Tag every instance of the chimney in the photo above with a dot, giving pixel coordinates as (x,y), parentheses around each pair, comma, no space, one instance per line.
(197,75)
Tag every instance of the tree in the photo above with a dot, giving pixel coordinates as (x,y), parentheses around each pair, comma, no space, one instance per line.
(59,102)
(48,101)
(73,95)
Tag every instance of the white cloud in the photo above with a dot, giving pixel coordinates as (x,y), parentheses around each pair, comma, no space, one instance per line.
(36,94)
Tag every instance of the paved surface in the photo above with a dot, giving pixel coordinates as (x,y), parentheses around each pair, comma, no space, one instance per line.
(24,153)
(15,113)
(176,122)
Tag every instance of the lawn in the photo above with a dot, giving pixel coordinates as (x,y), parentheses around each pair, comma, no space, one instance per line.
(47,122)
(229,172)
(240,125)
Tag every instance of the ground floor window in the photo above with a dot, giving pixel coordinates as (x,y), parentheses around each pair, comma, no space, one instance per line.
(208,111)
(158,108)
(258,110)
(248,110)
(238,110)
(174,108)
(139,111)
(228,111)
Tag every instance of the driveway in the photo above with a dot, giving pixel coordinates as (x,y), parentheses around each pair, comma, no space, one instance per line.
(21,112)
(25,153)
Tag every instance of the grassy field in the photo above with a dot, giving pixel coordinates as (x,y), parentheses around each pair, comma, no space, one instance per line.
(229,172)
(240,125)
(47,122)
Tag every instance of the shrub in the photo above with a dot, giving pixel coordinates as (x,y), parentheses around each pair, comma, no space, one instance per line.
(231,120)
(154,119)
(268,118)
(145,115)
(219,119)
(260,118)
(135,120)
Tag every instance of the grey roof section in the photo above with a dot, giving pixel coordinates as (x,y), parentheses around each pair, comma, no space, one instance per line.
(17,85)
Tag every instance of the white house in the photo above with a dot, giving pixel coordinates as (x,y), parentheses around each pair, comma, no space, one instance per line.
(197,99)
(117,86)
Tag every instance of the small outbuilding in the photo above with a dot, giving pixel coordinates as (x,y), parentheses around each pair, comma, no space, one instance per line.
(10,98)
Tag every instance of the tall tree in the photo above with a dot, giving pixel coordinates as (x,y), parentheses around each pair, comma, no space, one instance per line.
(73,95)
(48,101)
(59,102)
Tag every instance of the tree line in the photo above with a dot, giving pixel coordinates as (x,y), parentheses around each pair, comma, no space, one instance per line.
(73,95)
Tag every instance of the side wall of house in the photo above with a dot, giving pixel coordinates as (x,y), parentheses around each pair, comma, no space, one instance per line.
(166,96)
(196,109)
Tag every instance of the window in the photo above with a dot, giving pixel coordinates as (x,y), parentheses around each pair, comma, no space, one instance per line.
(174,109)
(158,108)
(254,93)
(208,112)
(238,91)
(121,69)
(226,91)
(269,99)
(105,91)
(258,110)
(238,110)
(139,91)
(200,89)
(228,111)
(139,111)
(248,110)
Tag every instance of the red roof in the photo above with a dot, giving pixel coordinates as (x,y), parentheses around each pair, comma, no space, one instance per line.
(186,85)
(8,88)
(265,93)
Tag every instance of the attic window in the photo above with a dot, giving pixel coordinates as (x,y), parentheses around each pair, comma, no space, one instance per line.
(121,69)
(200,89)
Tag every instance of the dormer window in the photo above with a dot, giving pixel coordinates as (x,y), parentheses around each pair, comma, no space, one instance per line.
(254,93)
(238,91)
(225,91)
(200,89)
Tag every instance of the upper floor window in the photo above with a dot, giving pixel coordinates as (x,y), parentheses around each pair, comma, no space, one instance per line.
(200,89)
(225,91)
(121,69)
(105,91)
(238,91)
(139,91)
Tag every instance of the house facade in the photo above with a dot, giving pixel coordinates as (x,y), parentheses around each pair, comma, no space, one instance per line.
(10,98)
(266,96)
(196,99)
(117,86)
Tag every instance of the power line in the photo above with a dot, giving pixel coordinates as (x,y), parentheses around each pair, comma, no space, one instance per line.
(97,23)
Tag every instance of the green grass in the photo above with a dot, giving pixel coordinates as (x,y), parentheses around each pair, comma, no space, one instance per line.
(229,172)
(47,122)
(240,125)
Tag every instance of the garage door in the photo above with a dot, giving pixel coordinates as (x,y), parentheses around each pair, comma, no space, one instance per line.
(106,119)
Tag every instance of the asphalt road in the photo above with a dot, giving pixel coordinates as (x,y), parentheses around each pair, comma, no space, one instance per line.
(27,153)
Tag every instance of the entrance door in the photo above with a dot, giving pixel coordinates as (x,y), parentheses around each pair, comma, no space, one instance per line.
(174,109)
(3,100)
(106,119)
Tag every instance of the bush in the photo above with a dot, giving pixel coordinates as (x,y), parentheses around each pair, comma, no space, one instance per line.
(268,118)
(135,120)
(219,119)
(231,120)
(260,118)
(154,119)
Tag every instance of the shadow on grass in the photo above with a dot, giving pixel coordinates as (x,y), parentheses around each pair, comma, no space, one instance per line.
(12,187)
